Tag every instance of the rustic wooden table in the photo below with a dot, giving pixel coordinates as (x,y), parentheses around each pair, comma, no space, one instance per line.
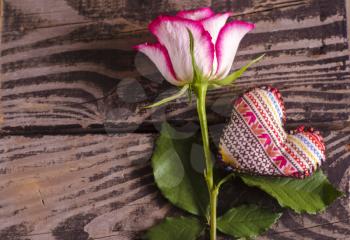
(75,145)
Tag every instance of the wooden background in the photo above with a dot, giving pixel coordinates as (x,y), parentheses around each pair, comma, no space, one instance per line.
(75,143)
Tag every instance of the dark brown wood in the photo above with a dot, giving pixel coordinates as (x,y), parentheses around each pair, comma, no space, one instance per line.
(56,186)
(53,187)
(76,144)
(68,65)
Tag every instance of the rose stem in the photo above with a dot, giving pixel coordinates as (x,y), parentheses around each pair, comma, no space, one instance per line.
(213,190)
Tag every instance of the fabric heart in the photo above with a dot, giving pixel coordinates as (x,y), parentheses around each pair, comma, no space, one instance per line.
(255,141)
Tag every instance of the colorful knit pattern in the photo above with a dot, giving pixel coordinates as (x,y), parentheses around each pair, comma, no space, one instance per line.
(255,141)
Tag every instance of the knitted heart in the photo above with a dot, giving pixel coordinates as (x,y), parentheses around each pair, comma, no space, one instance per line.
(255,141)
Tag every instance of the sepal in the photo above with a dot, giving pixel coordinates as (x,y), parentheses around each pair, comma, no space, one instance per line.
(182,91)
(233,76)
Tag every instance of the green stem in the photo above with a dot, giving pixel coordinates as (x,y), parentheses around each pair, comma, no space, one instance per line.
(213,190)
(225,179)
(213,205)
(201,109)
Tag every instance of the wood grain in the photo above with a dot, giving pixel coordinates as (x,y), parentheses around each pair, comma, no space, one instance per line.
(62,187)
(72,69)
(347,6)
(75,142)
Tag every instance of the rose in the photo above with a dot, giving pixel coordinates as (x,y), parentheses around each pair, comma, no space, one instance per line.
(215,44)
(195,50)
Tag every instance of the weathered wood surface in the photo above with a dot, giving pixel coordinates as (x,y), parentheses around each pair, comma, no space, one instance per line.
(67,67)
(96,186)
(55,186)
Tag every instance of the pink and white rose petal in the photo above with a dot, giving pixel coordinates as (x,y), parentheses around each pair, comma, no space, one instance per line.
(215,44)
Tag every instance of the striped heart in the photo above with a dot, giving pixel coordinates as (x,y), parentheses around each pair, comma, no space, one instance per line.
(255,141)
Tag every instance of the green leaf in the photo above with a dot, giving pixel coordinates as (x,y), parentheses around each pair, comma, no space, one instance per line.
(233,76)
(176,229)
(182,91)
(246,221)
(178,181)
(310,195)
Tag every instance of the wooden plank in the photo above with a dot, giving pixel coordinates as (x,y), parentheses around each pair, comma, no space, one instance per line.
(26,16)
(56,186)
(67,66)
(59,75)
(94,186)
